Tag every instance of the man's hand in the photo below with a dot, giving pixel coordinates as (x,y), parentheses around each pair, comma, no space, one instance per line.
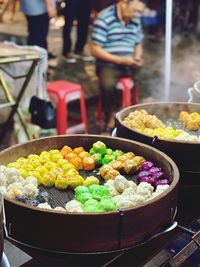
(129,61)
(51,11)
(138,62)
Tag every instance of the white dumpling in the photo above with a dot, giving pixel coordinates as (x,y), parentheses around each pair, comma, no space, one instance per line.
(121,183)
(122,202)
(3,190)
(144,185)
(3,169)
(162,188)
(137,200)
(13,193)
(132,185)
(113,191)
(3,179)
(12,175)
(31,180)
(74,206)
(60,209)
(146,193)
(109,183)
(16,185)
(128,192)
(30,191)
(44,206)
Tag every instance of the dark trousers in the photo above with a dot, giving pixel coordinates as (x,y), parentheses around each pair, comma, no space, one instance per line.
(80,10)
(108,76)
(38,30)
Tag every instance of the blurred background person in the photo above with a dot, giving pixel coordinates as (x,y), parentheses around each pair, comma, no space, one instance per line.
(79,10)
(3,8)
(117,45)
(38,13)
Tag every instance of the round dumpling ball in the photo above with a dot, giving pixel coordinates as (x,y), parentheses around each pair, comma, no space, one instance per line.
(12,175)
(91,180)
(61,183)
(74,206)
(30,191)
(3,190)
(122,202)
(120,183)
(31,180)
(144,185)
(61,209)
(3,179)
(108,204)
(44,206)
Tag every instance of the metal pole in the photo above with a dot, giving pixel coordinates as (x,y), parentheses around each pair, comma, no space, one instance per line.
(168,42)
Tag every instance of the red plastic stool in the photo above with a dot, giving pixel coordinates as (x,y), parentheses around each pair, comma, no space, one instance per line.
(63,92)
(129,94)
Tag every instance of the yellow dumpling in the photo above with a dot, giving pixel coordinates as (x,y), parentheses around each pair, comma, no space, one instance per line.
(23,173)
(75,181)
(61,162)
(57,171)
(41,169)
(48,179)
(16,165)
(54,151)
(91,180)
(67,166)
(50,165)
(56,157)
(61,183)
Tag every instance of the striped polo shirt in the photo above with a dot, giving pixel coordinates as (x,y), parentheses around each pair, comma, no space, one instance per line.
(112,36)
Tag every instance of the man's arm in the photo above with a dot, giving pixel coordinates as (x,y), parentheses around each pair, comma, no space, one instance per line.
(50,8)
(138,52)
(99,53)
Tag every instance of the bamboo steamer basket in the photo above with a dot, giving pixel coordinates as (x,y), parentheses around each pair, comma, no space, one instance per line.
(90,232)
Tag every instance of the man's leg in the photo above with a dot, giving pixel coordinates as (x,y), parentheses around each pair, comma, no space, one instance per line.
(108,77)
(69,14)
(38,30)
(83,16)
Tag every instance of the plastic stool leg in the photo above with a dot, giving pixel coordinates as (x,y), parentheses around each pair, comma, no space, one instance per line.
(128,96)
(83,111)
(61,116)
(135,93)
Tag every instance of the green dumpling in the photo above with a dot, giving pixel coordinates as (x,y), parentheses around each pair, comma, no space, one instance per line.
(93,208)
(83,197)
(109,151)
(107,159)
(99,191)
(81,189)
(99,147)
(91,202)
(108,204)
(97,158)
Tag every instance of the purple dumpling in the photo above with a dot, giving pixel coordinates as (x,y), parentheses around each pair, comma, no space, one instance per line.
(142,174)
(146,166)
(157,176)
(148,180)
(162,182)
(154,170)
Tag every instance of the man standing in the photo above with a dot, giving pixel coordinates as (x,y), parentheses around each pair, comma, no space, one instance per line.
(38,13)
(80,10)
(117,45)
